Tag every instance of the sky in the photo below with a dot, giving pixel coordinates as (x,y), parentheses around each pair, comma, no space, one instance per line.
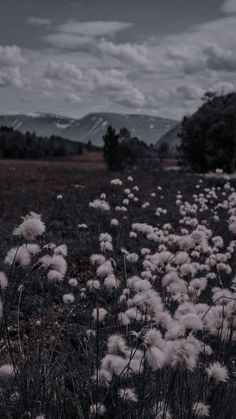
(73,57)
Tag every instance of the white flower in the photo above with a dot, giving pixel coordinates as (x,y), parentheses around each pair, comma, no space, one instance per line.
(154,338)
(116,344)
(54,275)
(162,411)
(31,227)
(217,372)
(61,250)
(68,298)
(82,226)
(116,182)
(128,394)
(105,269)
(124,319)
(73,282)
(6,371)
(93,284)
(114,222)
(19,256)
(3,280)
(95,409)
(155,358)
(97,259)
(185,352)
(201,410)
(132,257)
(191,321)
(99,314)
(100,205)
(111,282)
(104,377)
(33,249)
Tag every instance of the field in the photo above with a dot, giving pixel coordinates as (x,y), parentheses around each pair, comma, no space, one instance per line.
(122,304)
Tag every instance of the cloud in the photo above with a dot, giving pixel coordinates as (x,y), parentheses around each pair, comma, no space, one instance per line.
(72,98)
(63,71)
(111,79)
(10,59)
(11,56)
(93,29)
(11,76)
(72,35)
(220,58)
(229,6)
(39,21)
(133,53)
(223,87)
(189,92)
(68,41)
(131,98)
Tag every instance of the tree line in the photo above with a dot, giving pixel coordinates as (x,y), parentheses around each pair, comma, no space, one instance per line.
(16,145)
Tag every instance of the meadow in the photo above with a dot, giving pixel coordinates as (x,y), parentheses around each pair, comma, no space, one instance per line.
(118,293)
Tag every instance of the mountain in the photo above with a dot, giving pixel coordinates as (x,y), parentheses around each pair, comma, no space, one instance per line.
(91,127)
(171,137)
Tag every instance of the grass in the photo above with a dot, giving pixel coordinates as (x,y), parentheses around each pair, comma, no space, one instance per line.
(58,351)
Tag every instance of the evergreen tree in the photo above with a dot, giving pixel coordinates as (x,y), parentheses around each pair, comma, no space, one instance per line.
(208,138)
(111,149)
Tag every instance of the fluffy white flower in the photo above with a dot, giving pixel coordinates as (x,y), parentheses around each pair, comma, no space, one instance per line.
(97,259)
(93,284)
(68,298)
(73,282)
(3,280)
(155,358)
(217,373)
(7,371)
(61,250)
(82,226)
(104,269)
(116,182)
(100,205)
(191,321)
(161,411)
(127,394)
(201,409)
(19,256)
(132,257)
(99,314)
(31,227)
(116,344)
(111,282)
(95,409)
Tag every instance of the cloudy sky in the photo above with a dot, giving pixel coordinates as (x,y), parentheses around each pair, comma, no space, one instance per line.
(156,57)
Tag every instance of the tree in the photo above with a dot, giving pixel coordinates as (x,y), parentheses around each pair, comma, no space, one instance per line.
(163,151)
(121,150)
(208,137)
(111,149)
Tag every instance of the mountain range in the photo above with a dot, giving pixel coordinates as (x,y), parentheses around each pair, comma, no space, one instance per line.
(93,126)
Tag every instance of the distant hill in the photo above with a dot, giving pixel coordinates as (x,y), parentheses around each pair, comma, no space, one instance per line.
(91,127)
(171,138)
